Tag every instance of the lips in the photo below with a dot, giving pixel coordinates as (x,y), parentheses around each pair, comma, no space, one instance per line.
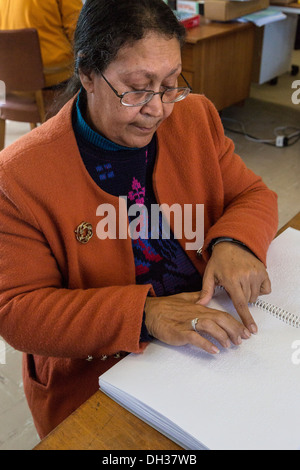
(146,129)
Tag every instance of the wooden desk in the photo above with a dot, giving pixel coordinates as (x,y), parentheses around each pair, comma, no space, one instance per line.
(287,8)
(217,61)
(294,223)
(293,5)
(101,424)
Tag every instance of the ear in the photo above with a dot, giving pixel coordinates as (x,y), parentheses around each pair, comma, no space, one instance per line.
(87,81)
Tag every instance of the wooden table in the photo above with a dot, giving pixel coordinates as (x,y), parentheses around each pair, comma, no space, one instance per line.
(294,222)
(293,7)
(101,424)
(217,61)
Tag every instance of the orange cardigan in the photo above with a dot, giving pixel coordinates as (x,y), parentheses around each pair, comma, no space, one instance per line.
(55,21)
(62,301)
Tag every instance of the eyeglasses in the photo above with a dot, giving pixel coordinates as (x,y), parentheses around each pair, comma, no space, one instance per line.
(141,97)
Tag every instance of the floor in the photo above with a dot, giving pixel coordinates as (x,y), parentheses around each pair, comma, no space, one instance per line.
(267,108)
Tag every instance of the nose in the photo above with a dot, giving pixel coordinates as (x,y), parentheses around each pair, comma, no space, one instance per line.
(154,107)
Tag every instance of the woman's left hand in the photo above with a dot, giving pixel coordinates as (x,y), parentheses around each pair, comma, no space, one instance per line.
(242,275)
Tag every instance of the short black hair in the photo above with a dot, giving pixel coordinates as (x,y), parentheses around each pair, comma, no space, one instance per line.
(104,26)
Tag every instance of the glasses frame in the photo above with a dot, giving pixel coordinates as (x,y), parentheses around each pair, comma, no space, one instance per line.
(151,92)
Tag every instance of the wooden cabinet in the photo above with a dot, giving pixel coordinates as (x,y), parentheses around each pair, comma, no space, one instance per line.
(217,61)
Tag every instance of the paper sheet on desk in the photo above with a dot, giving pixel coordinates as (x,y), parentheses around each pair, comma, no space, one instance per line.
(263,17)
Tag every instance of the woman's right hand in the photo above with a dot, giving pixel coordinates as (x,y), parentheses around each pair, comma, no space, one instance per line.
(169,320)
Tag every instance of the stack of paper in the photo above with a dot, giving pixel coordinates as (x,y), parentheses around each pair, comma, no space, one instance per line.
(246,397)
(263,17)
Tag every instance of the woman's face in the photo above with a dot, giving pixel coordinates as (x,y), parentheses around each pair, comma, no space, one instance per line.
(149,64)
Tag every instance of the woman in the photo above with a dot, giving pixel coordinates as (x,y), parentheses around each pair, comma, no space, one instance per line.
(76,291)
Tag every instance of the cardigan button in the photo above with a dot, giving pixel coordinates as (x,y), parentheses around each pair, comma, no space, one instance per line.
(89,358)
(103,357)
(117,355)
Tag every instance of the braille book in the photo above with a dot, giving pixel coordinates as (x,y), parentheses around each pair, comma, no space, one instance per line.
(245,397)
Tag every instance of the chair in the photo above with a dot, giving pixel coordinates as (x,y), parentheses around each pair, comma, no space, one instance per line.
(21,70)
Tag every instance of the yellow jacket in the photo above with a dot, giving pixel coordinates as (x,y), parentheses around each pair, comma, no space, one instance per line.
(55,21)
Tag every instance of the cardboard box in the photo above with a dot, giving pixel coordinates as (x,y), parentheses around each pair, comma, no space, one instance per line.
(190,6)
(226,10)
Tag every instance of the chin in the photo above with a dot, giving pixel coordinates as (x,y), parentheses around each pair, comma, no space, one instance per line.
(139,142)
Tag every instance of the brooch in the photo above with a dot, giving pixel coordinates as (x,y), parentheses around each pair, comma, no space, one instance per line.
(84,232)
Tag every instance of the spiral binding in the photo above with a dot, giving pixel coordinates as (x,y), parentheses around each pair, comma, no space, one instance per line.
(278,312)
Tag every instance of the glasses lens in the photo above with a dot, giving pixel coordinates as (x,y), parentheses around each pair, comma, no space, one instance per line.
(175,94)
(139,98)
(136,98)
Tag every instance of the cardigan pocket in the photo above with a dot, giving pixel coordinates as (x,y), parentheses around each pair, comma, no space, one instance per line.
(37,368)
